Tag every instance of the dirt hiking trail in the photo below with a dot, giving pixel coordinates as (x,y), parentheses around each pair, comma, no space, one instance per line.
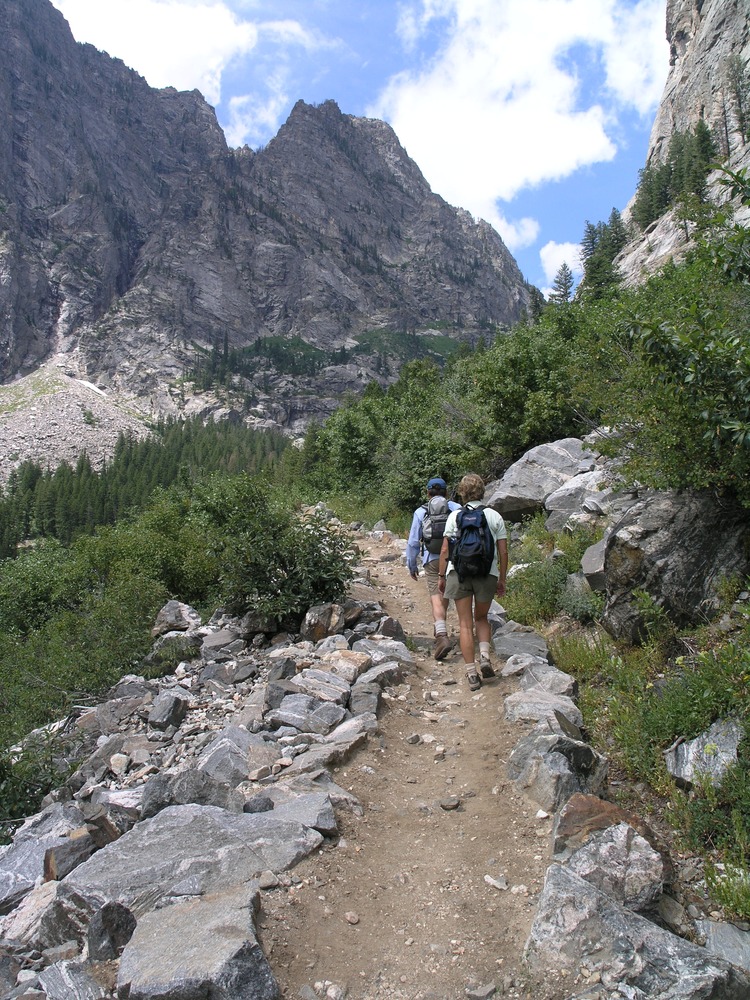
(430,893)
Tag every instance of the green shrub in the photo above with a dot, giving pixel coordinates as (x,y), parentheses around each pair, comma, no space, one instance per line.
(535,593)
(28,774)
(582,605)
(77,619)
(729,884)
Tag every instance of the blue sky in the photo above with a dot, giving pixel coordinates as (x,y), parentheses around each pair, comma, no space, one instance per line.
(532,114)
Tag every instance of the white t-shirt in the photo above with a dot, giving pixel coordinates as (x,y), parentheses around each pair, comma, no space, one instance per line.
(494,522)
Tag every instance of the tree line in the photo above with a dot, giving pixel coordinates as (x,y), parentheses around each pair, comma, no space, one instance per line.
(70,500)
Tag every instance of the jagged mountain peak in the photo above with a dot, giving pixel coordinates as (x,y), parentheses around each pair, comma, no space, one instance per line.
(135,242)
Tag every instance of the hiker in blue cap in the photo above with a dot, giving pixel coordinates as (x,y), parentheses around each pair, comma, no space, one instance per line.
(426,538)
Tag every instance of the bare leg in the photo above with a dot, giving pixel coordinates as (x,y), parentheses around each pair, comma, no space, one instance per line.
(466,627)
(484,632)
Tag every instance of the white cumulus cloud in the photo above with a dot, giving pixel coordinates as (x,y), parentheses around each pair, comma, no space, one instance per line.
(187,44)
(501,106)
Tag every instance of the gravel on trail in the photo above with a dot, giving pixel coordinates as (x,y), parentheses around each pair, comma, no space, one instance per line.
(429,894)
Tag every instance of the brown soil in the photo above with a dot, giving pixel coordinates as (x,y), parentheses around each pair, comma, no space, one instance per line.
(400,906)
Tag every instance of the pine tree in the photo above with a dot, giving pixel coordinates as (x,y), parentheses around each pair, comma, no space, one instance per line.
(562,286)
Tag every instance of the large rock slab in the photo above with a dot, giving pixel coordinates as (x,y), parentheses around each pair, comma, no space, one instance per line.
(576,925)
(175,617)
(623,865)
(192,785)
(513,639)
(537,705)
(571,497)
(312,808)
(203,847)
(323,685)
(23,862)
(526,485)
(322,620)
(330,755)
(307,714)
(727,941)
(234,753)
(68,980)
(540,674)
(201,948)
(552,767)
(659,546)
(383,650)
(346,663)
(169,709)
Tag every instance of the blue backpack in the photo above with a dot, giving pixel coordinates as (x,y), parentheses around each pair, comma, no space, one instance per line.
(472,551)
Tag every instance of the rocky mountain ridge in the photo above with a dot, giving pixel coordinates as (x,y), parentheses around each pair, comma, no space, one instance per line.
(133,242)
(704,36)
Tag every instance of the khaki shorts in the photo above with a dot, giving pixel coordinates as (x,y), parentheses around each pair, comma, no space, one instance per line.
(431,577)
(483,588)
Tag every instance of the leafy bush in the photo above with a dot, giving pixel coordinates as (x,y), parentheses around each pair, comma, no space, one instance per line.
(534,594)
(27,775)
(75,620)
(540,590)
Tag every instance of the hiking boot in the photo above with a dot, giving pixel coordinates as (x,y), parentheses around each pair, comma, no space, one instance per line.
(486,668)
(441,647)
(473,679)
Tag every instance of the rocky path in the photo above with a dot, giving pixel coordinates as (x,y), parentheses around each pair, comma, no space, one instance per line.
(430,892)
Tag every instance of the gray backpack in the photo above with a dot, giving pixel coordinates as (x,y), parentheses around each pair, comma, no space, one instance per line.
(433,524)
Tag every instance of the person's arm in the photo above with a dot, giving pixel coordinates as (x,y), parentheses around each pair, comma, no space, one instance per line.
(412,546)
(502,565)
(443,564)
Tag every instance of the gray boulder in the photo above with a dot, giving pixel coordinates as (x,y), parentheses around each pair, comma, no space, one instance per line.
(206,848)
(576,924)
(512,639)
(307,714)
(65,980)
(551,768)
(175,617)
(311,808)
(383,650)
(678,547)
(194,786)
(708,755)
(571,497)
(623,865)
(109,931)
(224,644)
(323,685)
(526,485)
(540,674)
(592,565)
(322,620)
(23,862)
(727,941)
(201,948)
(235,752)
(168,709)
(536,705)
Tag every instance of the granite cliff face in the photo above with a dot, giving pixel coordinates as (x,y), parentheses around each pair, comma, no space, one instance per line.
(704,36)
(133,241)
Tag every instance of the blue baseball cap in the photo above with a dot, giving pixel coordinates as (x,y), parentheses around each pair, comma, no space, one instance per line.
(436,483)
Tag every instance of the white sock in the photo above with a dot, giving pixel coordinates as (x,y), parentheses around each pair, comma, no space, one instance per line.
(484,650)
(441,628)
